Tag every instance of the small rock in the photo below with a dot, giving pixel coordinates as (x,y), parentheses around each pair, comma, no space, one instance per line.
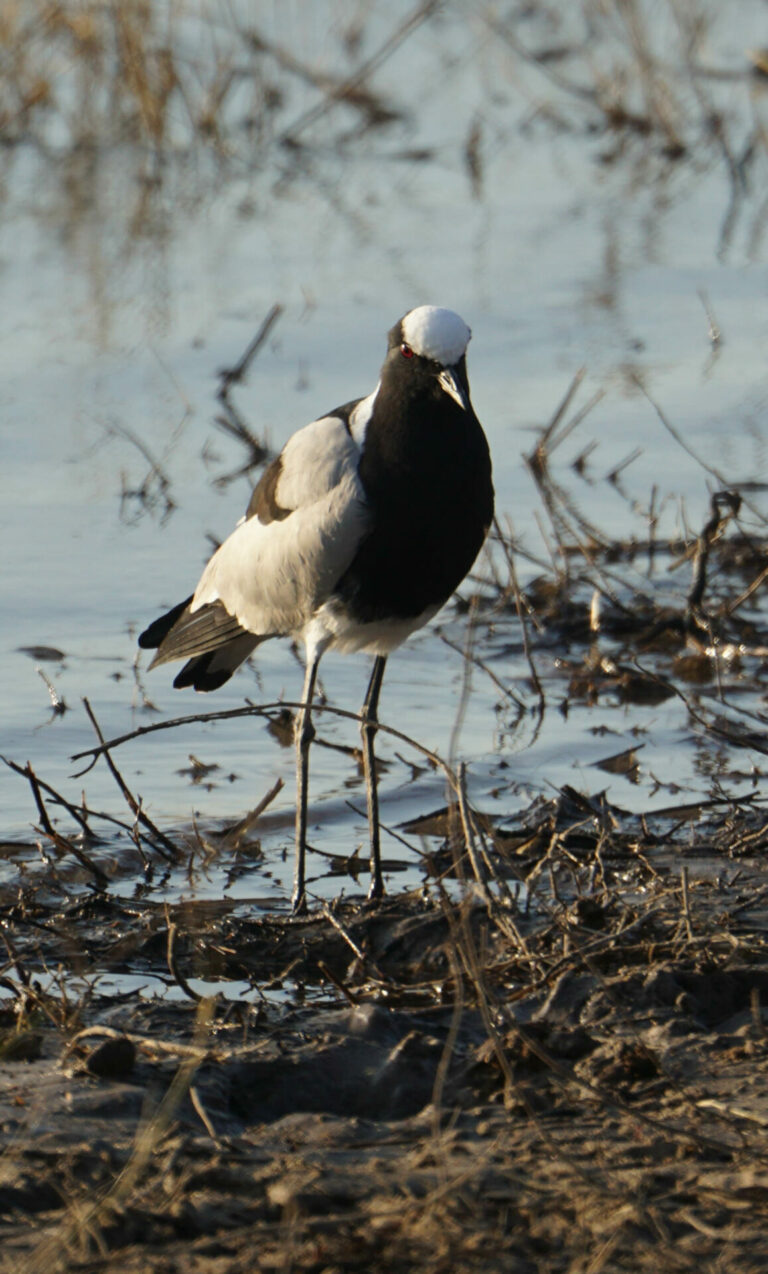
(112,1059)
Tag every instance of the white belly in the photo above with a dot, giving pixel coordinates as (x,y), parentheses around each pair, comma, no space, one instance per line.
(333,627)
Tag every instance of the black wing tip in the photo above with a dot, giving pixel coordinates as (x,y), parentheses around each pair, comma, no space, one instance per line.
(147,639)
(195,673)
(156,632)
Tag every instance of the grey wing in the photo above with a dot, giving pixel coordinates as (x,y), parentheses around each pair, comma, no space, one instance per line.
(193,633)
(305,521)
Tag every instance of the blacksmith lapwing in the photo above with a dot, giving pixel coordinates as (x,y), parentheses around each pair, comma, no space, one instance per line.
(355,536)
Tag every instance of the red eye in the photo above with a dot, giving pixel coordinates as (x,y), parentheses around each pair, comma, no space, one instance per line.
(406,351)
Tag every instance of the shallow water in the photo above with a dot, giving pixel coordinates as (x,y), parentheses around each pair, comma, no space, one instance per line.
(572,248)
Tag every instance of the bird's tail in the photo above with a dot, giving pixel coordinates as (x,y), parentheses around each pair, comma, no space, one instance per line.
(209,638)
(211,670)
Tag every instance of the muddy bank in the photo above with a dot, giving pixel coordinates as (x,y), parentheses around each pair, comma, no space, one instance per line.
(457,1083)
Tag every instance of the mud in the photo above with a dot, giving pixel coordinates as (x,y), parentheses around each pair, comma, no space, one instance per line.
(450,1081)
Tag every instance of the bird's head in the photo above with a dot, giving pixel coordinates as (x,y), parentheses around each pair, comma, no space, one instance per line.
(427,350)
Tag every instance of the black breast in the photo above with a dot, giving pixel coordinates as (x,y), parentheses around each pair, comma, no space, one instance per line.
(426,470)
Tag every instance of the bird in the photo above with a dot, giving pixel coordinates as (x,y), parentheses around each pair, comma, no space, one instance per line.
(355,536)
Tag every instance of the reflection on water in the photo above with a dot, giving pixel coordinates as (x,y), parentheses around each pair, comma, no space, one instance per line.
(576,209)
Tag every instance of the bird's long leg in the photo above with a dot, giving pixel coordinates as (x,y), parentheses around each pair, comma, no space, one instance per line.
(370,722)
(304,734)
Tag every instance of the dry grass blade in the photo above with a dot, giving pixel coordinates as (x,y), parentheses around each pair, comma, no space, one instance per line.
(522,617)
(547,441)
(470,838)
(173,964)
(715,473)
(232,838)
(479,663)
(336,982)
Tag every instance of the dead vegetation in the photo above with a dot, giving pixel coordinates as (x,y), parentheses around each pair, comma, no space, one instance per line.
(167,82)
(575,1080)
